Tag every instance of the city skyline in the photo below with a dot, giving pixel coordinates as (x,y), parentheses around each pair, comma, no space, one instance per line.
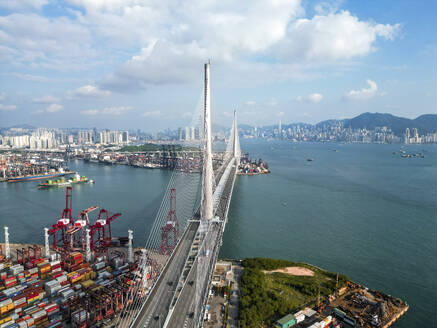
(136,65)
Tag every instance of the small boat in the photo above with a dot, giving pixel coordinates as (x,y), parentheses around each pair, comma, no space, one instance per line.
(309,159)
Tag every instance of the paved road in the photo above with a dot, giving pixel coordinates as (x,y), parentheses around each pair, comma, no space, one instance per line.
(183,315)
(233,307)
(155,310)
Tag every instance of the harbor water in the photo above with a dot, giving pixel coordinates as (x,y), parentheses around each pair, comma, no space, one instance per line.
(357,209)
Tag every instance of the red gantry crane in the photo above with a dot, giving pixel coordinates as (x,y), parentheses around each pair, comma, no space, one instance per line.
(170,232)
(77,233)
(101,237)
(59,229)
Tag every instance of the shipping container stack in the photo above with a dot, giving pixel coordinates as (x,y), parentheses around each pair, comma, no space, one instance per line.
(50,293)
(64,290)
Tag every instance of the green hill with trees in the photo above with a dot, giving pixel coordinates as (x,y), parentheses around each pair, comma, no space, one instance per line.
(266,297)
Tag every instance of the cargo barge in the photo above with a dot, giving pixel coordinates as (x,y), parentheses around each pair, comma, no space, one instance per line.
(48,175)
(77,179)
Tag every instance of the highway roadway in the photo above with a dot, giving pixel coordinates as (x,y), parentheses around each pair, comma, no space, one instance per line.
(154,311)
(183,315)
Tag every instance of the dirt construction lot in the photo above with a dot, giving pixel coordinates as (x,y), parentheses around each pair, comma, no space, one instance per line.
(293,271)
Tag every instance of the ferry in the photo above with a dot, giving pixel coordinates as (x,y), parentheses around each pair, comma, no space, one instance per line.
(52,174)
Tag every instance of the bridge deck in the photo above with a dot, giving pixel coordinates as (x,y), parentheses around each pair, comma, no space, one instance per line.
(183,313)
(156,308)
(154,311)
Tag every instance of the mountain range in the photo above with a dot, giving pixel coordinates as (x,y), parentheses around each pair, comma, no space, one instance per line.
(426,123)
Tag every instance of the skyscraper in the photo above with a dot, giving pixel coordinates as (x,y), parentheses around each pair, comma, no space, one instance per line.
(407,136)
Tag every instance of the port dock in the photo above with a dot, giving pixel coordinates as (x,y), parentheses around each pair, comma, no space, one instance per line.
(82,276)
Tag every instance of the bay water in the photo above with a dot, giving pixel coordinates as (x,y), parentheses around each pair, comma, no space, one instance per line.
(357,209)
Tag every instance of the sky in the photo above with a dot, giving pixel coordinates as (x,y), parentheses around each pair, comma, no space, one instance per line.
(138,64)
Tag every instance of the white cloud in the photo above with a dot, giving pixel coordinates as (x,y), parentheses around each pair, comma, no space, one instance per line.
(250,102)
(229,33)
(313,98)
(364,93)
(23,4)
(46,100)
(272,102)
(28,77)
(88,91)
(90,112)
(151,114)
(108,111)
(7,107)
(332,37)
(54,108)
(174,37)
(28,39)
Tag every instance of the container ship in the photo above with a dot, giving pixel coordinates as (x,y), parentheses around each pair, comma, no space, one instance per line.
(51,174)
(77,179)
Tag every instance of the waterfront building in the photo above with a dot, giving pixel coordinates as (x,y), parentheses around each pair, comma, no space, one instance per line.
(285,322)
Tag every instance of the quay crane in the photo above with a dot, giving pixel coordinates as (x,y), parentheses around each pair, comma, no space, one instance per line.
(63,223)
(77,233)
(104,239)
(171,227)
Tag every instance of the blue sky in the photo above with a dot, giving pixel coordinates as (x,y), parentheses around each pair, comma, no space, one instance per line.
(138,63)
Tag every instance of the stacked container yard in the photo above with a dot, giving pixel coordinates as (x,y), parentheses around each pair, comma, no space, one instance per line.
(68,293)
(63,290)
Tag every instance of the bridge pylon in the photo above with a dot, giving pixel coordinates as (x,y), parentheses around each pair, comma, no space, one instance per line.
(236,141)
(207,176)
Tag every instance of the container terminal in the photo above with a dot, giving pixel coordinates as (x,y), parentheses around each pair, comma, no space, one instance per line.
(252,167)
(17,167)
(81,277)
